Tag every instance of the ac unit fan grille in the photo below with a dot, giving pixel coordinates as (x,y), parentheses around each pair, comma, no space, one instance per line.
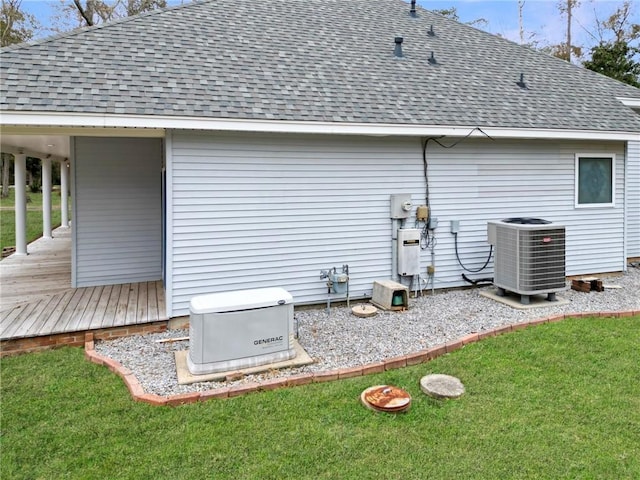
(530,261)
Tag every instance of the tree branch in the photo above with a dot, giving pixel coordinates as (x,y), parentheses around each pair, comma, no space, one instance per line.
(86,17)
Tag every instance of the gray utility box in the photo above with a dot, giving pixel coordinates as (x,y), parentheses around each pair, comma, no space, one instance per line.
(240,329)
(408,252)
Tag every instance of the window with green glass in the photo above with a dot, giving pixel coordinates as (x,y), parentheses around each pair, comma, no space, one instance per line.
(595,180)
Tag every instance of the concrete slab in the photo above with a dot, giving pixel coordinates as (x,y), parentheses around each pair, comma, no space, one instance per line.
(185,377)
(513,300)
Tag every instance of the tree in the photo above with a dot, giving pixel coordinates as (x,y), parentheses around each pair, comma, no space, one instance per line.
(566,49)
(15,25)
(6,172)
(520,21)
(617,54)
(615,60)
(93,12)
(619,25)
(452,13)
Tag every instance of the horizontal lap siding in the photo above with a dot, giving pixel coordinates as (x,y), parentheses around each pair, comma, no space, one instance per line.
(633,208)
(259,211)
(273,210)
(484,180)
(118,210)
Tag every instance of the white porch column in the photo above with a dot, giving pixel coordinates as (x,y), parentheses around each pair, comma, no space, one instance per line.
(20,188)
(64,194)
(46,197)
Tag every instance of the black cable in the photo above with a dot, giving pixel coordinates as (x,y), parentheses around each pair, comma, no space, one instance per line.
(428,239)
(435,139)
(455,236)
(488,281)
(425,163)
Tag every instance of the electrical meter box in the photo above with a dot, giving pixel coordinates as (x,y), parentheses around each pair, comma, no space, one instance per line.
(401,205)
(408,252)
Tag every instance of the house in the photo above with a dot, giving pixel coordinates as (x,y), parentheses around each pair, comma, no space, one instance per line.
(228,144)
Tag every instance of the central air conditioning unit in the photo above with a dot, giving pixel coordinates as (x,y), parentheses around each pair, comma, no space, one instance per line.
(240,329)
(529,256)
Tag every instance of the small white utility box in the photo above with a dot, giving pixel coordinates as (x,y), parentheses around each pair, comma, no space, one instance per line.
(240,329)
(408,252)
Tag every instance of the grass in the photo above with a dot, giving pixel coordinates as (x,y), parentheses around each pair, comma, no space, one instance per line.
(556,401)
(34,217)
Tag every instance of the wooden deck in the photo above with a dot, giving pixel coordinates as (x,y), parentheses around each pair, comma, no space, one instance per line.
(36,297)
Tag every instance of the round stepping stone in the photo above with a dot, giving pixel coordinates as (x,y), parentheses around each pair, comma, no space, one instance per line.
(364,310)
(438,385)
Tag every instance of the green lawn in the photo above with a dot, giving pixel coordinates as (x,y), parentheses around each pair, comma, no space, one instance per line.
(34,217)
(556,401)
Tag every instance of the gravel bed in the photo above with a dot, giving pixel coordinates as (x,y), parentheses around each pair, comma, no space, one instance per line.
(340,339)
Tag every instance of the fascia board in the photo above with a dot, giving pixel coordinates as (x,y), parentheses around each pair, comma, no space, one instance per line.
(87,124)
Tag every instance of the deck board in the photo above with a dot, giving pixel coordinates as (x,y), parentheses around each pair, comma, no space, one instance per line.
(29,313)
(22,316)
(44,305)
(37,299)
(75,319)
(143,301)
(101,309)
(49,324)
(121,308)
(41,319)
(153,300)
(92,305)
(9,316)
(132,305)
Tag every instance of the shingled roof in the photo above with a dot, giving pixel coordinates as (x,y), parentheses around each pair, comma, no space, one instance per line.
(308,60)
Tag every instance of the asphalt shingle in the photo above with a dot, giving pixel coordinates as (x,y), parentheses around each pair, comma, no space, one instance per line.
(309,60)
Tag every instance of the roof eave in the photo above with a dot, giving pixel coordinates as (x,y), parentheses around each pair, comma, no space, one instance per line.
(88,124)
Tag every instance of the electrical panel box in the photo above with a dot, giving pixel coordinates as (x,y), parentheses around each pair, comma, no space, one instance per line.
(408,251)
(401,205)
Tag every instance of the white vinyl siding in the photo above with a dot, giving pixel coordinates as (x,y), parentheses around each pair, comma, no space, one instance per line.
(117,210)
(251,211)
(633,195)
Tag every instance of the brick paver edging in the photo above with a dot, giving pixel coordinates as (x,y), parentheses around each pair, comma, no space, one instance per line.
(423,356)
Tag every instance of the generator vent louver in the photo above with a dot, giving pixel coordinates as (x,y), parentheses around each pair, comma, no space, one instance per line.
(529,256)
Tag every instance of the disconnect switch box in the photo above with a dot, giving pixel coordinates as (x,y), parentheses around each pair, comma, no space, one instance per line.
(408,251)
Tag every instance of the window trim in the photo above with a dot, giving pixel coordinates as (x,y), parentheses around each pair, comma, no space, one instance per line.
(611,156)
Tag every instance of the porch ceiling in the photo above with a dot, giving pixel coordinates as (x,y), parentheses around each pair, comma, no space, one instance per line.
(37,145)
(55,141)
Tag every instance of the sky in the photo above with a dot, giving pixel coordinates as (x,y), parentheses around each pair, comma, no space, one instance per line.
(539,16)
